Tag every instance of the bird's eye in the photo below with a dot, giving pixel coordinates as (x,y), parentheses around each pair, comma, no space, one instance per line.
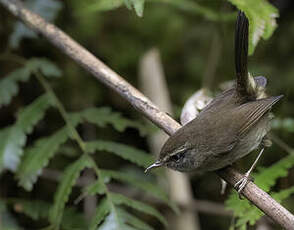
(177,157)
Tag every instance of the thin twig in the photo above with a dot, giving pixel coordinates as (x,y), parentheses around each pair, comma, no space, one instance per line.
(107,76)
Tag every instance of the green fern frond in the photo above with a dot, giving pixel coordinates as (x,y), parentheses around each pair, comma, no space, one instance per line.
(140,183)
(104,115)
(126,152)
(283,194)
(133,220)
(262,19)
(119,199)
(253,214)
(38,156)
(95,188)
(121,220)
(101,211)
(46,67)
(9,84)
(113,221)
(37,210)
(265,179)
(13,138)
(64,188)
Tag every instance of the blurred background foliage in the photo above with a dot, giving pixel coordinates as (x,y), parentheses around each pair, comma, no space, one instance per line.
(195,39)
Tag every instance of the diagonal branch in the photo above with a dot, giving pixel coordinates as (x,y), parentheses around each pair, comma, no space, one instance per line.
(108,77)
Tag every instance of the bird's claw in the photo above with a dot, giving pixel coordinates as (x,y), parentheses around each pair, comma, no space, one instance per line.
(241,184)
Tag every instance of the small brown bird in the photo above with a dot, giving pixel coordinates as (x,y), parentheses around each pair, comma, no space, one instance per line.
(235,123)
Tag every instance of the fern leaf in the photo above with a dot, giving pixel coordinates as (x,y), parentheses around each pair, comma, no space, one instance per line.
(64,188)
(38,156)
(101,211)
(8,221)
(96,188)
(116,221)
(45,66)
(103,116)
(265,179)
(37,209)
(119,199)
(13,138)
(33,113)
(9,85)
(253,214)
(124,151)
(283,194)
(113,222)
(140,183)
(262,19)
(73,220)
(133,220)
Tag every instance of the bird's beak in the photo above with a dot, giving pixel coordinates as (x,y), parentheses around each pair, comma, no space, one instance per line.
(154,165)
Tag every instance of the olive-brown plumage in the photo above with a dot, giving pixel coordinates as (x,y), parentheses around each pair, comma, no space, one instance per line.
(222,133)
(232,125)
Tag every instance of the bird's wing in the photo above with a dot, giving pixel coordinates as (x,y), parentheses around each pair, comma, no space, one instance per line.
(250,113)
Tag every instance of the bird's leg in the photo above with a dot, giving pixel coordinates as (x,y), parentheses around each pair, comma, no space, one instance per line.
(240,185)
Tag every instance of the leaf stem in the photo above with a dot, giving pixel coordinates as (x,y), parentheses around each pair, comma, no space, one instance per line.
(61,109)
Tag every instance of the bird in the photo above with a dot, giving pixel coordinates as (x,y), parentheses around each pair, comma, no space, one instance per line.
(232,125)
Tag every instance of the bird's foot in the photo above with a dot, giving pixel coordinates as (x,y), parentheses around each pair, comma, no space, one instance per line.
(241,184)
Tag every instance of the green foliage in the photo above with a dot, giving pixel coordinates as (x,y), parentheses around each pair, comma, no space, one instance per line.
(126,152)
(133,220)
(283,194)
(262,19)
(103,116)
(95,188)
(47,9)
(265,179)
(37,209)
(140,183)
(119,199)
(115,211)
(117,218)
(64,189)
(38,156)
(8,222)
(13,138)
(101,211)
(9,84)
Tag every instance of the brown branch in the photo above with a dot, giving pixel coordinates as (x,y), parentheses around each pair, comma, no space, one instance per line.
(107,76)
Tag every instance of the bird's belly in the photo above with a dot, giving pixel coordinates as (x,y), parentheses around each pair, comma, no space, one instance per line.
(249,142)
